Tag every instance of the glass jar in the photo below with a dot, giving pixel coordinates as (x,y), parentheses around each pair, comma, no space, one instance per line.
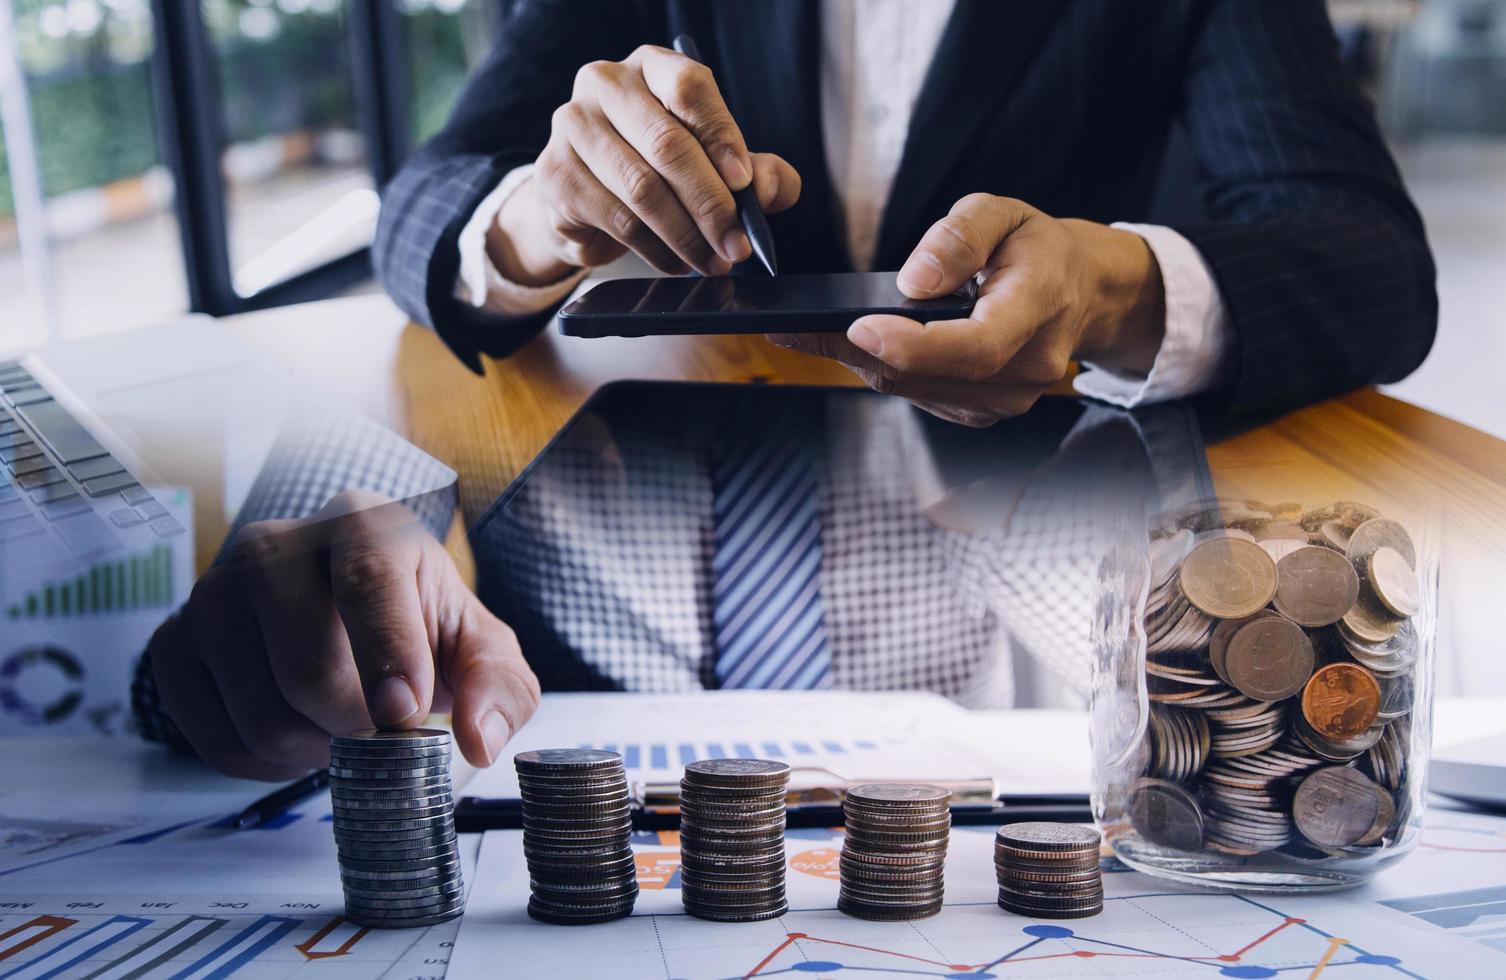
(1262,702)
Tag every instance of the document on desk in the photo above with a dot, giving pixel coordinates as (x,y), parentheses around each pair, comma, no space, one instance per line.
(207,901)
(823,735)
(1148,928)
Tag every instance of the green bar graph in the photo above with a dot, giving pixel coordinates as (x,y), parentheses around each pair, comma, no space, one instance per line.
(143,581)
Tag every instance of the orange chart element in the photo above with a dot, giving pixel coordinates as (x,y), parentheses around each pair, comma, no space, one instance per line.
(823,862)
(656,869)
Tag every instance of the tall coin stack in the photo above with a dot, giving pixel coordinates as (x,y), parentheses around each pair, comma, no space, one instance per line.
(394,821)
(732,839)
(1280,655)
(893,862)
(576,831)
(1049,870)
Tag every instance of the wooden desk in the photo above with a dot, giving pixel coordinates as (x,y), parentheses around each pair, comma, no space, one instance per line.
(1366,446)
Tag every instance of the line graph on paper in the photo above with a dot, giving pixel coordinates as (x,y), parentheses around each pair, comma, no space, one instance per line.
(1145,930)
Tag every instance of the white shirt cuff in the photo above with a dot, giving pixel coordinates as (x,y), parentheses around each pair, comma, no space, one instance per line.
(479,283)
(1194,351)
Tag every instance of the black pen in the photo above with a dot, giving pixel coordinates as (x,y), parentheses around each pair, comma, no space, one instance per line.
(749,211)
(276,803)
(479,813)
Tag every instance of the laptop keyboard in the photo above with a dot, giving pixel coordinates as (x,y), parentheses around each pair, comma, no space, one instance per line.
(58,482)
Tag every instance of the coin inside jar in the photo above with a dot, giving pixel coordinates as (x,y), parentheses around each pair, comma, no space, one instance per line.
(1341,701)
(1166,814)
(1315,586)
(1394,583)
(1228,578)
(1335,806)
(1269,659)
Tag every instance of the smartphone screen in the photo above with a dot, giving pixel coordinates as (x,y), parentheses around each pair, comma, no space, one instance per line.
(751,303)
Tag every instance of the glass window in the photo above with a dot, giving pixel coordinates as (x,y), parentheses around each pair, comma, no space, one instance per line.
(297,189)
(446,40)
(108,253)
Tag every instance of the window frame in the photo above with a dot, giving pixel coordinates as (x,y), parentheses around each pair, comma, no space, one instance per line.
(186,104)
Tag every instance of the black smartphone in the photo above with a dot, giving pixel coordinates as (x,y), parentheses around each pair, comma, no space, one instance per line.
(749,304)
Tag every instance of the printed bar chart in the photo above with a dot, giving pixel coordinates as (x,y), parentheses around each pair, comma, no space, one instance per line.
(137,582)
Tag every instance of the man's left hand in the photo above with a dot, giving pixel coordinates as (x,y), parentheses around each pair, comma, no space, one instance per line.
(1052,291)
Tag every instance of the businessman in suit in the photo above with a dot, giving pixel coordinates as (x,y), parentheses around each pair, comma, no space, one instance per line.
(1014,140)
(942,140)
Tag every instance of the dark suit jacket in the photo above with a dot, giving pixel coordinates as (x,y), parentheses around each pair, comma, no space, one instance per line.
(1066,104)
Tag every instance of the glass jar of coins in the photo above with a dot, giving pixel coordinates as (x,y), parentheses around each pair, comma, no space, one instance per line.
(1263,691)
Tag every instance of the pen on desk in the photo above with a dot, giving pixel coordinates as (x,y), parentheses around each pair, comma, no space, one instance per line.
(279,801)
(478,813)
(749,211)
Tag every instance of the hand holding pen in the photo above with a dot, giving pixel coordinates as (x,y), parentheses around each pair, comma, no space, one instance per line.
(645,156)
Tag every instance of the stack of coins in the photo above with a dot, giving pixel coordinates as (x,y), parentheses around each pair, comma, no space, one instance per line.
(576,835)
(394,821)
(1049,870)
(732,839)
(893,862)
(1278,641)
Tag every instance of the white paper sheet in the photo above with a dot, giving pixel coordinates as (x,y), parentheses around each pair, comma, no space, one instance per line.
(896,735)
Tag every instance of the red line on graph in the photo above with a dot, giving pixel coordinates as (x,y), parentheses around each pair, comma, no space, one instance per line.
(1288,922)
(777,950)
(886,952)
(1234,957)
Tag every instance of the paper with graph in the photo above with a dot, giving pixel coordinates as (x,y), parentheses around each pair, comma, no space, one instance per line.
(1146,929)
(206,901)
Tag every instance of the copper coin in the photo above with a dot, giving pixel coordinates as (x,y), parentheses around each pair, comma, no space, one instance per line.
(1393,580)
(1315,586)
(1335,806)
(1269,659)
(1341,701)
(1228,578)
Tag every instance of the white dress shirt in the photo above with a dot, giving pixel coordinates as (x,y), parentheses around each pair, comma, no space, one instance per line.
(874,58)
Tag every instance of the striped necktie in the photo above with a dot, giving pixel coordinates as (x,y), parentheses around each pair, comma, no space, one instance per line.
(767,612)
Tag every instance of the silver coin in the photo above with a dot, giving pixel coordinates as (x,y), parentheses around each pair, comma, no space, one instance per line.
(407,905)
(711,771)
(422,922)
(403,888)
(383,751)
(396,791)
(394,773)
(427,834)
(396,738)
(557,759)
(396,854)
(439,868)
(373,866)
(445,799)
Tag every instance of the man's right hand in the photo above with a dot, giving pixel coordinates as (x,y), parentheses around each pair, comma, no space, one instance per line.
(352,617)
(644,156)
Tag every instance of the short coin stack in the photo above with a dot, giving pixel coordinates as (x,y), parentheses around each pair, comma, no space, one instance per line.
(732,821)
(576,830)
(1280,647)
(394,821)
(894,855)
(1049,870)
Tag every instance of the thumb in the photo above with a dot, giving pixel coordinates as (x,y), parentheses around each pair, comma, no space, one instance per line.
(494,690)
(959,246)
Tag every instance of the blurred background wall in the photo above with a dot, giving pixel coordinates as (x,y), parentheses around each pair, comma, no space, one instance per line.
(301,107)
